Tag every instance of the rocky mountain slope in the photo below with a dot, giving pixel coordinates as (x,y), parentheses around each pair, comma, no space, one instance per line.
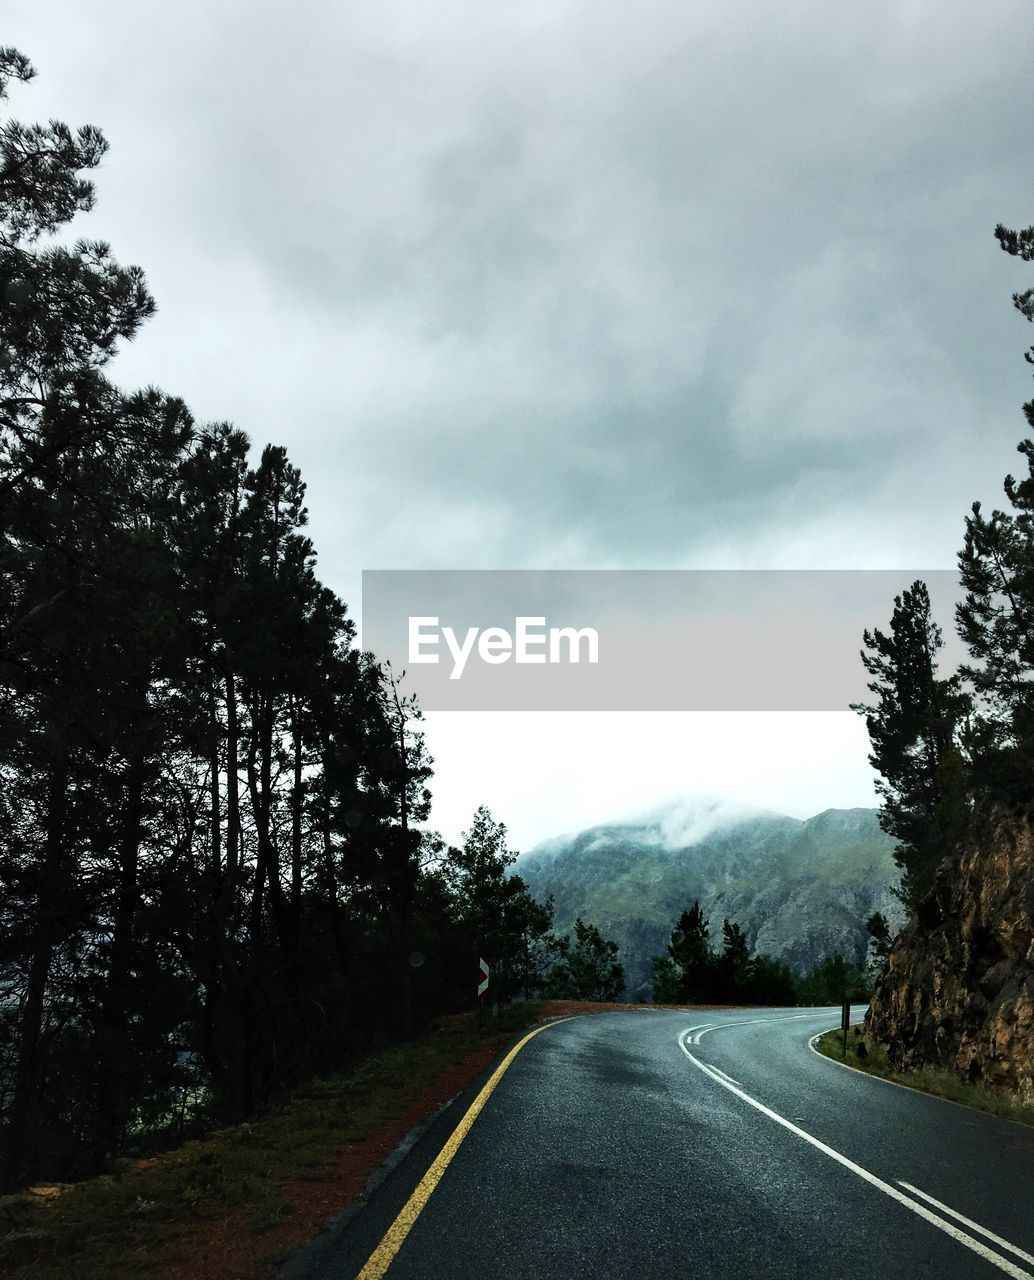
(799,889)
(959,986)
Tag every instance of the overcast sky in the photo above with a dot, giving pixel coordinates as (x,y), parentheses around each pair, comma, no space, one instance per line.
(581,285)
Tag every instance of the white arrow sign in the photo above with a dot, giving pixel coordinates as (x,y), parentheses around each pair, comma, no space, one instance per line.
(483,984)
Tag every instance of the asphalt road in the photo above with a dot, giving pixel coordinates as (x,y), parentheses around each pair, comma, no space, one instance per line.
(619,1145)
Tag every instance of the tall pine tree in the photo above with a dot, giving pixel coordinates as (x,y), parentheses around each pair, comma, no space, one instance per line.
(914,728)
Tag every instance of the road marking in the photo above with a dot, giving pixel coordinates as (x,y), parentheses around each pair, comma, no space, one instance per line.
(752,1022)
(973,1226)
(962,1237)
(725,1076)
(704,1026)
(383,1256)
(898,1084)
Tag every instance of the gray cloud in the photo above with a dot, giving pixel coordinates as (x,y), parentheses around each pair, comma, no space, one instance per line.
(576,283)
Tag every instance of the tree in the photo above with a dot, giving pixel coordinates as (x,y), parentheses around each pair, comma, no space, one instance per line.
(666,987)
(997,570)
(208,798)
(686,973)
(879,945)
(692,973)
(495,915)
(214,881)
(879,932)
(586,966)
(64,309)
(768,982)
(832,981)
(83,474)
(732,969)
(914,731)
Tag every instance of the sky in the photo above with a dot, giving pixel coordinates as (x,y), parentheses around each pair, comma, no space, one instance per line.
(581,285)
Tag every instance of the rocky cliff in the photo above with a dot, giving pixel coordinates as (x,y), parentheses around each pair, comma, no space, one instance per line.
(958,990)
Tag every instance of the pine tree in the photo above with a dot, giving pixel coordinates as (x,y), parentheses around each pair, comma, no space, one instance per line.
(690,949)
(733,965)
(915,732)
(495,915)
(214,880)
(63,309)
(692,973)
(997,570)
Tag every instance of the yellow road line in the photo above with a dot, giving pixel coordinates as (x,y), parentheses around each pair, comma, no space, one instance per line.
(381,1258)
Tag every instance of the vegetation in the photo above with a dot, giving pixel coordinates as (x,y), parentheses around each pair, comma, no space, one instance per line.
(215,884)
(942,1083)
(495,917)
(692,973)
(584,966)
(996,565)
(164,1210)
(914,729)
(801,886)
(949,751)
(880,944)
(833,981)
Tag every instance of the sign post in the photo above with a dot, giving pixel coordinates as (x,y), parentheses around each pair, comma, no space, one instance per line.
(482,988)
(845,1022)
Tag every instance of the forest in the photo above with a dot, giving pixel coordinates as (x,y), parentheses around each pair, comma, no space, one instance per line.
(214,878)
(954,752)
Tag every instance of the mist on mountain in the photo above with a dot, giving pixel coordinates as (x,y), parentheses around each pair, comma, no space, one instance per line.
(801,889)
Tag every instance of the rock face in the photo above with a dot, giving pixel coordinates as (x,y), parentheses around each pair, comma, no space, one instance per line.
(958,989)
(800,890)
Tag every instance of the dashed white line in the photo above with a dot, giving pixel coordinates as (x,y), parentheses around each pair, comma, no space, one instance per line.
(962,1237)
(700,1029)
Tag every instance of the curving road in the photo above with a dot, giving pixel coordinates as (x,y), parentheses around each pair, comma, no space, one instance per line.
(653,1145)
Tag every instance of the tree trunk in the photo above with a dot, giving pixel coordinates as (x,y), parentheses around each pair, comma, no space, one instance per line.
(116,1063)
(296,822)
(28,1074)
(215,816)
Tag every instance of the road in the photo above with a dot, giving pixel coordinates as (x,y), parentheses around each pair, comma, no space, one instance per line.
(656,1144)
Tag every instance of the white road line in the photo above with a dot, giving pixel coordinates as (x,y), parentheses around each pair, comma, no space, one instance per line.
(703,1026)
(973,1226)
(752,1022)
(725,1075)
(962,1237)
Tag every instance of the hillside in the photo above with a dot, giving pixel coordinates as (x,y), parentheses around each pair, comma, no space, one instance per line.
(800,889)
(958,990)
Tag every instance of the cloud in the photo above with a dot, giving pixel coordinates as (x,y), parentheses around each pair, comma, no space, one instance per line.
(613,282)
(576,284)
(689,820)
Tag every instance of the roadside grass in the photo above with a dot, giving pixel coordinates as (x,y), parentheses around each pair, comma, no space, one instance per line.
(146,1217)
(937,1081)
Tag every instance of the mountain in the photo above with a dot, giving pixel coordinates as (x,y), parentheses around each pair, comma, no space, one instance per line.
(800,889)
